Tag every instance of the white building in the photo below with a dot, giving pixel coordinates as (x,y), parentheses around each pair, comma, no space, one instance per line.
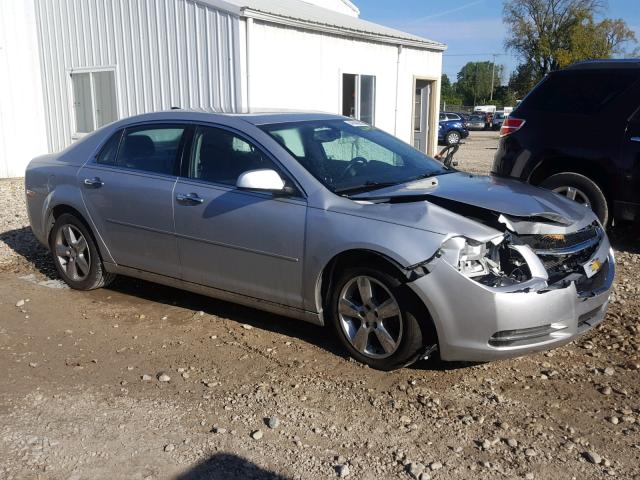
(68,67)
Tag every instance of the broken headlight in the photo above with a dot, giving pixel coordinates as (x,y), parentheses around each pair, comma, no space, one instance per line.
(493,263)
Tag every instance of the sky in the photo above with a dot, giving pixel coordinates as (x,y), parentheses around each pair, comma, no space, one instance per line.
(472,29)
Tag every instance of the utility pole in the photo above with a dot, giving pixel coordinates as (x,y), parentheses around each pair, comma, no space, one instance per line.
(493,74)
(475,86)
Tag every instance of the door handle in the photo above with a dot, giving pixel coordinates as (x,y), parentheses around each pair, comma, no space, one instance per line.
(189,199)
(635,139)
(94,182)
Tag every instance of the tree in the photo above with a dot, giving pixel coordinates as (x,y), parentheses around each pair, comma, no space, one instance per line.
(549,34)
(591,40)
(474,81)
(539,29)
(522,80)
(504,96)
(448,92)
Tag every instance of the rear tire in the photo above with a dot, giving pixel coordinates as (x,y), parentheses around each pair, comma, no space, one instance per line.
(582,189)
(76,256)
(407,324)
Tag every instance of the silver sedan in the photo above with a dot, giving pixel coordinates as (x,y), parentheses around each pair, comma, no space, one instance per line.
(328,220)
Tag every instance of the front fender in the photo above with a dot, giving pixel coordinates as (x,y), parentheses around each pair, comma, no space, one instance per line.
(331,233)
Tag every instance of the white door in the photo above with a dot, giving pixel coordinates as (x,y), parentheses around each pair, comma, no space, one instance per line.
(422,98)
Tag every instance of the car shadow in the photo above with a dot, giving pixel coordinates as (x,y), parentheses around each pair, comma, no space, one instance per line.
(24,243)
(626,237)
(160,294)
(223,466)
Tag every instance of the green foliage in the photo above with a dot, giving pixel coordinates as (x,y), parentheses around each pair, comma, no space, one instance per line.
(474,82)
(448,92)
(551,34)
(474,87)
(522,80)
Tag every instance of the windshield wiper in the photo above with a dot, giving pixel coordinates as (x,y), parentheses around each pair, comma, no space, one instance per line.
(365,187)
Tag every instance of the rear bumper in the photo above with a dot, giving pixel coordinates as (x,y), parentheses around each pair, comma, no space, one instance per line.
(479,323)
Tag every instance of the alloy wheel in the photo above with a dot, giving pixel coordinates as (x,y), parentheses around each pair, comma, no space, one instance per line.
(370,317)
(72,252)
(575,194)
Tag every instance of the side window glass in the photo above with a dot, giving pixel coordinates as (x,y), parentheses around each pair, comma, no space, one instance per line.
(443,117)
(579,92)
(220,156)
(152,149)
(107,155)
(290,139)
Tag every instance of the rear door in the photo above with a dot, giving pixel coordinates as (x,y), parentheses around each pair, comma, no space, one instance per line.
(246,242)
(630,191)
(128,191)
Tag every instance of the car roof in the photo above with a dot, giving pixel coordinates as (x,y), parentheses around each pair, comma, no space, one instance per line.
(622,63)
(253,117)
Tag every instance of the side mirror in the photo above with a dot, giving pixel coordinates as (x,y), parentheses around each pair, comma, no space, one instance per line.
(265,180)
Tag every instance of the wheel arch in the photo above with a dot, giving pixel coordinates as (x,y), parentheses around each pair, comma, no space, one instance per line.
(55,211)
(590,169)
(359,257)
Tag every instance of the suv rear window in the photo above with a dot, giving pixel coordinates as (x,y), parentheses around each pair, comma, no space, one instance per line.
(578,92)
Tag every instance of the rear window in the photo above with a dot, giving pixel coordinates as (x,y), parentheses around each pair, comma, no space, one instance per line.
(578,92)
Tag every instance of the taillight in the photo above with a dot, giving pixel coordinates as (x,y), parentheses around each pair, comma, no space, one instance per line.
(511,125)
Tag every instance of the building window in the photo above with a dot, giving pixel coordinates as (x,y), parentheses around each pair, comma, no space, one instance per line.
(359,97)
(94,99)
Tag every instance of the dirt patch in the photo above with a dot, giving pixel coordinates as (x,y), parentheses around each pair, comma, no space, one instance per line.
(81,396)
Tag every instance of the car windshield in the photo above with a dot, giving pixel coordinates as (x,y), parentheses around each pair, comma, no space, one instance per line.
(349,156)
(476,118)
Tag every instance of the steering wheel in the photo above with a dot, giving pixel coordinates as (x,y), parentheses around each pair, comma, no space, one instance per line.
(355,162)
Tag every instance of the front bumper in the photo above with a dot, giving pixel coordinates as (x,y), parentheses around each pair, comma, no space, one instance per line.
(475,322)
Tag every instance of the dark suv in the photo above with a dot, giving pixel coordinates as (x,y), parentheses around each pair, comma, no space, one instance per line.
(578,133)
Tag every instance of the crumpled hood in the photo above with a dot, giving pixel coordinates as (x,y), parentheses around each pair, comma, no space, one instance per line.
(501,195)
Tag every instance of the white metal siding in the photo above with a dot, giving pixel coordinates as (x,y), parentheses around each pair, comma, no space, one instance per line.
(302,70)
(164,53)
(22,122)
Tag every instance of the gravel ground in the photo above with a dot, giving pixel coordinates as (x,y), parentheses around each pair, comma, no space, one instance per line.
(142,381)
(476,154)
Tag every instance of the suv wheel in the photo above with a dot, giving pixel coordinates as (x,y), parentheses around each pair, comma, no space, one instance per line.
(376,319)
(452,138)
(76,255)
(581,189)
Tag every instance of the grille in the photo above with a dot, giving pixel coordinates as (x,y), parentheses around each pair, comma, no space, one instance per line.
(562,242)
(562,255)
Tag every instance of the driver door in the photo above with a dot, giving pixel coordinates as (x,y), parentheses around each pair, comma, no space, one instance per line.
(246,242)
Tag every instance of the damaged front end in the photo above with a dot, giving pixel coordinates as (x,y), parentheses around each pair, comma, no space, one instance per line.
(500,263)
(538,253)
(538,283)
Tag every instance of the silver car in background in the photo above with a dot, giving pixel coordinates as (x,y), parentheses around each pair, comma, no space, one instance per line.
(328,220)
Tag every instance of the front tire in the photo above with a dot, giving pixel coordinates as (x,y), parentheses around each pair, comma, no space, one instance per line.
(377,319)
(580,189)
(452,138)
(76,255)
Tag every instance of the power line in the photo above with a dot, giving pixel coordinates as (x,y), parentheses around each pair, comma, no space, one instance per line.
(475,54)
